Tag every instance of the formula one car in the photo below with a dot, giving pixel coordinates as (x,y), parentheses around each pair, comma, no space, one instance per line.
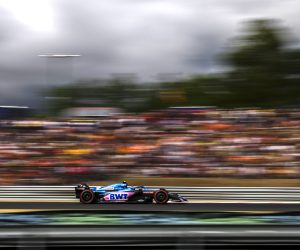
(121,192)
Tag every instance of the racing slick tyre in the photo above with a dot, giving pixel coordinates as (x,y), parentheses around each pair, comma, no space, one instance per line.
(161,196)
(87,196)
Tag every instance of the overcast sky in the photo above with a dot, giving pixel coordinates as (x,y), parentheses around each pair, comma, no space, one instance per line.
(145,37)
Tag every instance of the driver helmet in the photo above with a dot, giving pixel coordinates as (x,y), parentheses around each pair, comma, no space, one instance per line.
(125,183)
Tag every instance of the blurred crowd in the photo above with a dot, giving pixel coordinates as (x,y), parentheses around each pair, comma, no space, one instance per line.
(176,142)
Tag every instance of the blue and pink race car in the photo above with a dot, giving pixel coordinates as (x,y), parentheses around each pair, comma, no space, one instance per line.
(122,193)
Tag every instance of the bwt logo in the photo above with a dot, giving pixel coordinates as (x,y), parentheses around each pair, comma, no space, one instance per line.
(118,196)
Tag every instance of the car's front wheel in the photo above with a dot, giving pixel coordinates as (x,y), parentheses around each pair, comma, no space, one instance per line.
(87,196)
(161,196)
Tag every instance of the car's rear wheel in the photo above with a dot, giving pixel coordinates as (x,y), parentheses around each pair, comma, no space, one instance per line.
(161,196)
(87,196)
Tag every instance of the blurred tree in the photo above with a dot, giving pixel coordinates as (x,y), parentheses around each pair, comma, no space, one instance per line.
(264,72)
(201,90)
(115,92)
(292,77)
(261,62)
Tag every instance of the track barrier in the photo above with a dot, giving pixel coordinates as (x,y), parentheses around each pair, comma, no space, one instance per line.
(191,193)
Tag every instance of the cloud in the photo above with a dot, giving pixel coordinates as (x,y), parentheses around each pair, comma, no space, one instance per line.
(145,37)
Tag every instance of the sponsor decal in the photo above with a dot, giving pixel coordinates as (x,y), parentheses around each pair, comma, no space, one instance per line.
(148,192)
(118,196)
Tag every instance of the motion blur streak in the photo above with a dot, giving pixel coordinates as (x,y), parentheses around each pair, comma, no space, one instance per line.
(197,194)
(152,237)
(212,206)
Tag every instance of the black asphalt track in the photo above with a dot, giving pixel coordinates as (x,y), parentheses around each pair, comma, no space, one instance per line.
(201,207)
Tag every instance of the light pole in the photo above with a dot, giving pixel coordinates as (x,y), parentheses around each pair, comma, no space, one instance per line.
(50,57)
